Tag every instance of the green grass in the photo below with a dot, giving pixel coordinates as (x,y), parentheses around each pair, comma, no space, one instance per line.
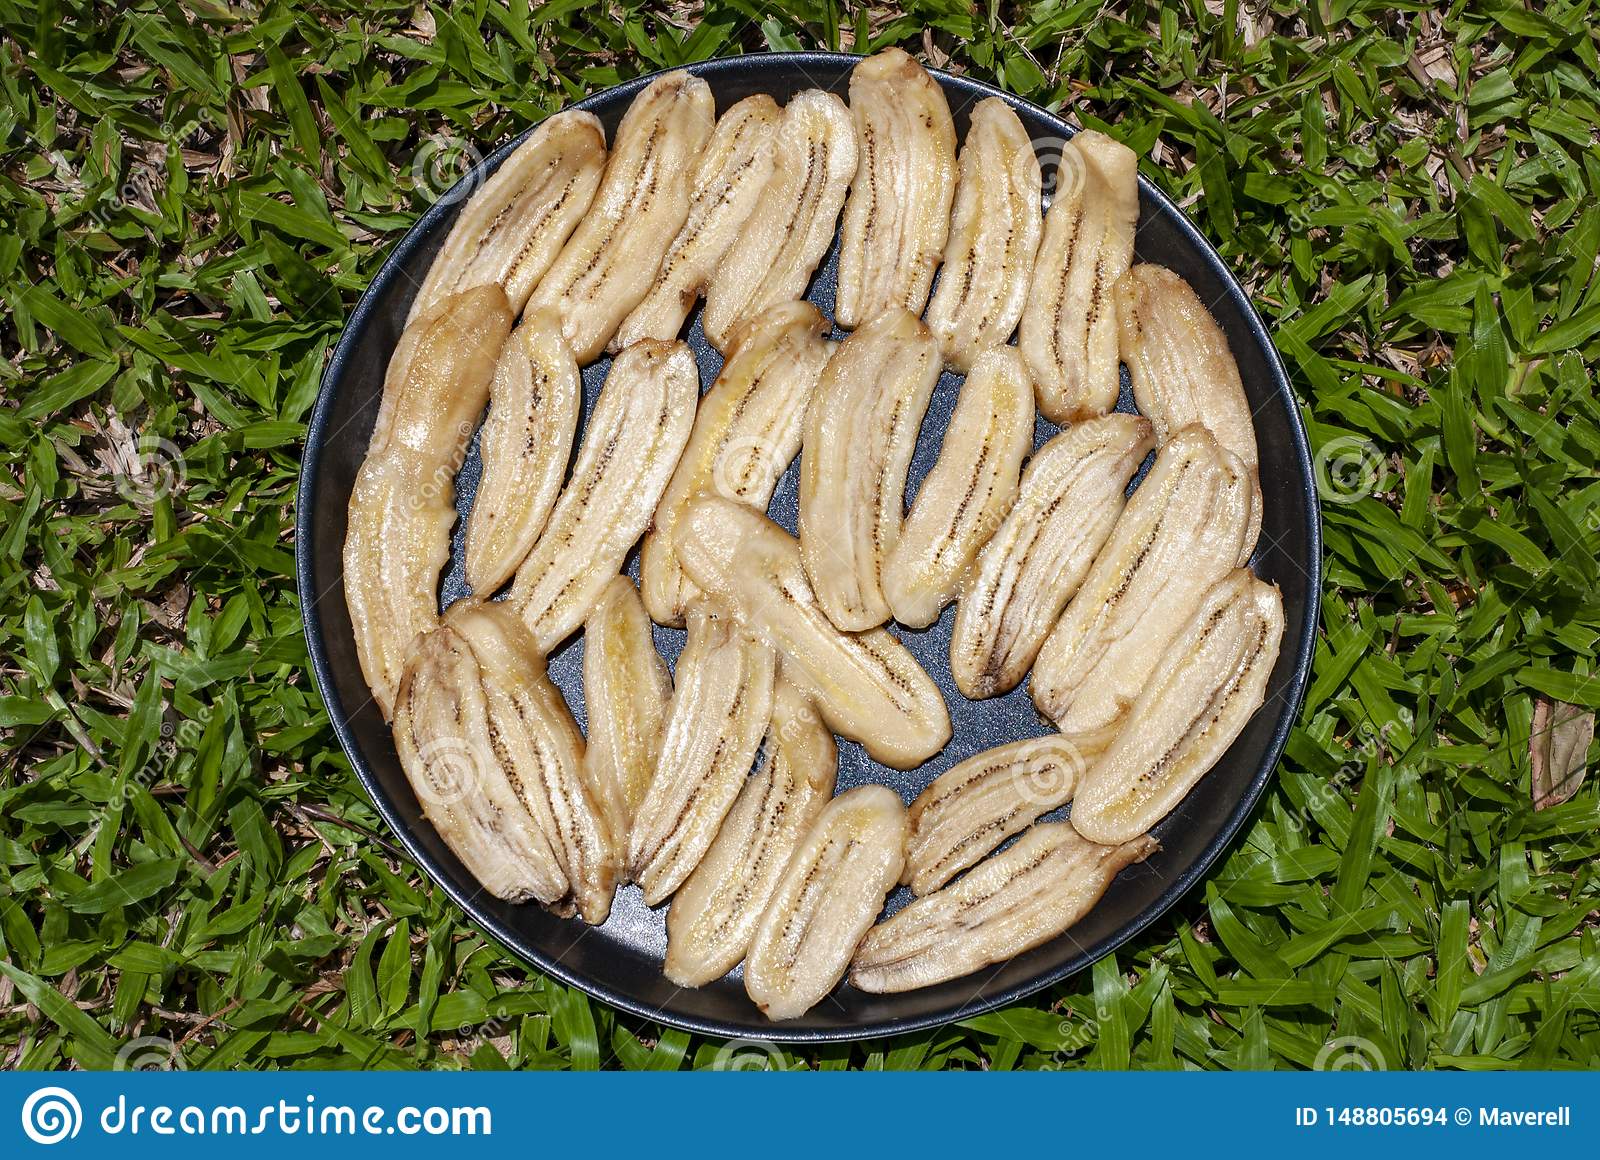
(193,197)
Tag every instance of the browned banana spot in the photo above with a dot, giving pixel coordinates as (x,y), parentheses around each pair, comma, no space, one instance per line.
(1209,683)
(1070,498)
(610,262)
(969,492)
(629,451)
(524,445)
(1068,331)
(861,430)
(830,894)
(898,215)
(866,685)
(1015,901)
(994,233)
(745,433)
(511,229)
(792,225)
(1180,534)
(721,704)
(715,913)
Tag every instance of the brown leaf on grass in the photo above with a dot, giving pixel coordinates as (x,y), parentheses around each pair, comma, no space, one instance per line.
(1558,747)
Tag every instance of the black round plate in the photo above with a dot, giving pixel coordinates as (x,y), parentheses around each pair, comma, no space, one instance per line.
(620,962)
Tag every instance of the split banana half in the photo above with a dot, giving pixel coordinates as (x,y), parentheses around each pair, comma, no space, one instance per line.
(792,225)
(861,430)
(1182,531)
(626,691)
(735,170)
(969,492)
(721,704)
(1183,371)
(745,433)
(831,892)
(866,685)
(610,262)
(525,443)
(630,448)
(497,764)
(510,231)
(403,503)
(1068,332)
(898,215)
(994,234)
(1071,496)
(1012,903)
(1211,680)
(976,805)
(715,914)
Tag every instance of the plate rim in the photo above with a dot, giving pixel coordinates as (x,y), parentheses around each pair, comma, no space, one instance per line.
(323,678)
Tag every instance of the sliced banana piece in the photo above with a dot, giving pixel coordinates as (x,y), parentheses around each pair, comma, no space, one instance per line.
(626,691)
(629,451)
(1209,683)
(497,763)
(534,400)
(866,685)
(830,894)
(721,704)
(745,433)
(1070,498)
(715,913)
(610,262)
(969,492)
(510,230)
(1015,901)
(973,807)
(792,225)
(898,215)
(1183,371)
(1068,332)
(732,175)
(994,234)
(1181,532)
(861,430)
(403,503)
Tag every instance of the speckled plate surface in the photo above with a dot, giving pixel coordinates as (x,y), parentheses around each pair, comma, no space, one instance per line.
(620,962)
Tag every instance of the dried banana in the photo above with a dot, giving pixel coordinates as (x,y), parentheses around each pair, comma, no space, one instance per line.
(496,761)
(967,495)
(1181,532)
(973,807)
(830,894)
(994,234)
(610,262)
(1071,496)
(866,685)
(1015,901)
(510,230)
(1182,370)
(861,430)
(402,505)
(630,448)
(626,691)
(525,443)
(715,913)
(1210,681)
(736,167)
(898,215)
(745,433)
(792,225)
(1068,332)
(721,704)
